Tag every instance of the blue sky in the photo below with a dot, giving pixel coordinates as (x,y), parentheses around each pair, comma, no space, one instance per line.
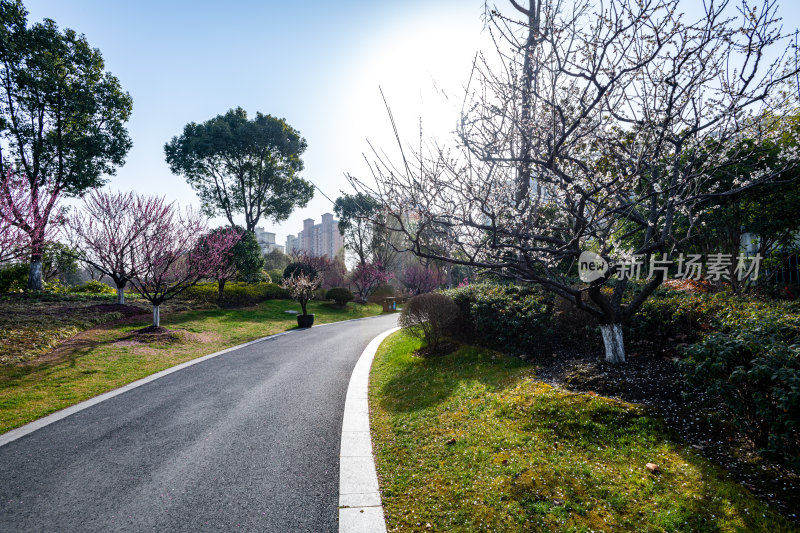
(316,64)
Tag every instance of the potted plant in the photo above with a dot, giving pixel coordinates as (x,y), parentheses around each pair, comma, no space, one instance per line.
(301,288)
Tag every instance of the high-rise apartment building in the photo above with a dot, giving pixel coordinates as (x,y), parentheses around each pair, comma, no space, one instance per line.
(321,239)
(267,241)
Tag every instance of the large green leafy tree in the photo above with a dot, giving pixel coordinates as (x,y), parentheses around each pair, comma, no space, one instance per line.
(242,166)
(62,116)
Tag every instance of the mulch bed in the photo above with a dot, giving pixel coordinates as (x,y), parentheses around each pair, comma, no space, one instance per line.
(655,381)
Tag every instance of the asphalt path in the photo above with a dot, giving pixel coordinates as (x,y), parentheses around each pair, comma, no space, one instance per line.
(247,441)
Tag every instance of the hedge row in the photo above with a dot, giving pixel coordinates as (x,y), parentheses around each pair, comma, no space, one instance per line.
(519,320)
(236,293)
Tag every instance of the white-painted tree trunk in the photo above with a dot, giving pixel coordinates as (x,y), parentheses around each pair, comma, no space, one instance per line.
(120,295)
(35,276)
(156,316)
(612,339)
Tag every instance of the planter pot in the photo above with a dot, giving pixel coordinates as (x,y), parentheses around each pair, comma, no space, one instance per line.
(305,321)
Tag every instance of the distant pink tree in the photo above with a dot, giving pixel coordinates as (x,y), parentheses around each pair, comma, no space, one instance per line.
(367,277)
(174,253)
(421,279)
(26,214)
(107,231)
(320,263)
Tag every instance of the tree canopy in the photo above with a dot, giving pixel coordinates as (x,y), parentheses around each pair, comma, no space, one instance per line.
(242,166)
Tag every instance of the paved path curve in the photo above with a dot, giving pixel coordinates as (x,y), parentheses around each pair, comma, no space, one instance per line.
(247,441)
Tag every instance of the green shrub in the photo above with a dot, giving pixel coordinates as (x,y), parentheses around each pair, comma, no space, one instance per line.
(427,316)
(14,278)
(519,320)
(750,366)
(340,295)
(236,293)
(275,275)
(93,286)
(293,269)
(382,292)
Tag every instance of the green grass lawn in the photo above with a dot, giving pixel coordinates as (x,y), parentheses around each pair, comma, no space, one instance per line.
(473,442)
(102,358)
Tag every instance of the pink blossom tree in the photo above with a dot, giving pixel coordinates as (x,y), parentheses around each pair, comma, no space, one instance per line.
(107,231)
(367,277)
(25,216)
(421,279)
(11,241)
(173,253)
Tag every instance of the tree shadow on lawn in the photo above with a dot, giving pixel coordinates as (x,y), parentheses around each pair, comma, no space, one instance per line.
(591,456)
(72,349)
(426,382)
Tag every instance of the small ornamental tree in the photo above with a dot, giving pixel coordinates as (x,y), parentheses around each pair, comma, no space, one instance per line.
(170,258)
(107,230)
(244,261)
(301,287)
(367,277)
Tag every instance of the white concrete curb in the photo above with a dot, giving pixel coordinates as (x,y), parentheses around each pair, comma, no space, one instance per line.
(360,508)
(19,432)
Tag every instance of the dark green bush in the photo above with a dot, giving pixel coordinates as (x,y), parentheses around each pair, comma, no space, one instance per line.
(293,269)
(518,320)
(14,277)
(384,291)
(236,293)
(750,366)
(93,286)
(340,295)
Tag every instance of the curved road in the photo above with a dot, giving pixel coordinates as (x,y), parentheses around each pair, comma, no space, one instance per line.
(247,441)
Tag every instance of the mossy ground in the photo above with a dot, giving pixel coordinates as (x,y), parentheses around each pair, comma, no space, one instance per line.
(472,441)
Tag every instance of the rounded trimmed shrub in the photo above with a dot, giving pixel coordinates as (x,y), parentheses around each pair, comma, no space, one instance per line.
(340,295)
